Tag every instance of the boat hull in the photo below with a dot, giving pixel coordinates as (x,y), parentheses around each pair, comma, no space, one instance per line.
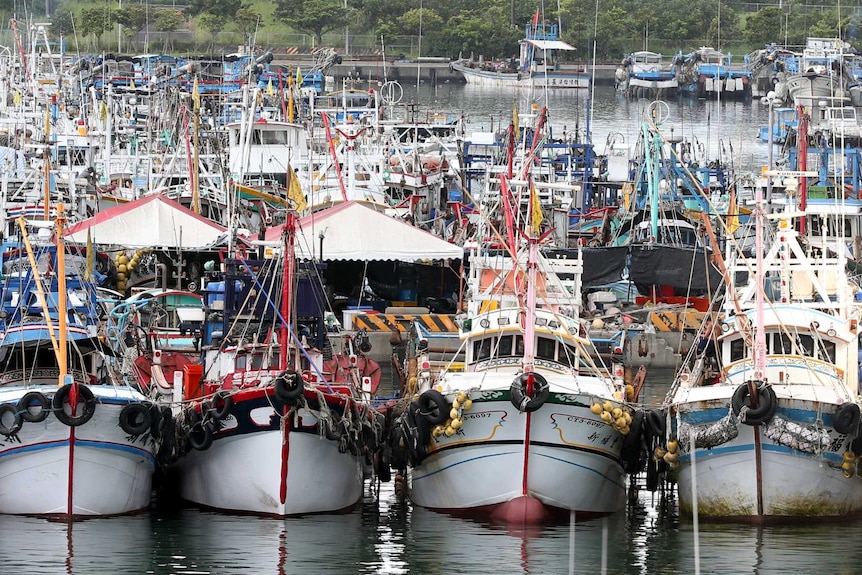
(242,471)
(809,89)
(555,79)
(96,464)
(754,478)
(571,461)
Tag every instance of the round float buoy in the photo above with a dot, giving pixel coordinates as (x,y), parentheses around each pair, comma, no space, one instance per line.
(528,402)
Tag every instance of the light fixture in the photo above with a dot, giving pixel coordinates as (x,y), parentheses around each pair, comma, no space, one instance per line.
(503,320)
(541,321)
(485,323)
(831,332)
(553,324)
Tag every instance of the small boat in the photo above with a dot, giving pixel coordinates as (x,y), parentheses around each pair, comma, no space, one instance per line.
(265,428)
(646,73)
(822,74)
(538,65)
(764,418)
(77,440)
(707,72)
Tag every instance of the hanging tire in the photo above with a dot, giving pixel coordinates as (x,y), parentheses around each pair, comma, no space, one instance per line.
(10,419)
(289,387)
(201,436)
(33,399)
(85,396)
(433,407)
(846,418)
(222,405)
(766,404)
(518,392)
(382,467)
(135,418)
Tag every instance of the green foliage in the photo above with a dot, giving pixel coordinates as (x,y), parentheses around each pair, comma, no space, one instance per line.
(62,23)
(95,22)
(212,23)
(312,16)
(247,21)
(224,8)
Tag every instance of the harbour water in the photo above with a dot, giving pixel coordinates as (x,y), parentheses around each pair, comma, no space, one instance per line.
(386,535)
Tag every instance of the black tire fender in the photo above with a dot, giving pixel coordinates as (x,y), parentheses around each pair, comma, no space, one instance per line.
(518,392)
(201,436)
(60,400)
(10,419)
(846,418)
(433,407)
(766,404)
(135,418)
(34,399)
(289,387)
(222,404)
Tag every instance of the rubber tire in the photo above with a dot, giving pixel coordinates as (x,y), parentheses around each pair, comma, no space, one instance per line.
(222,405)
(289,387)
(846,418)
(17,421)
(518,392)
(201,436)
(59,401)
(26,402)
(433,407)
(135,418)
(767,404)
(382,467)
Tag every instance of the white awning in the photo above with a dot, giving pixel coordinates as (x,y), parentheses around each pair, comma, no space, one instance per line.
(551,45)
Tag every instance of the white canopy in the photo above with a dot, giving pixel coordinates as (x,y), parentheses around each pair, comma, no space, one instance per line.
(551,45)
(353,231)
(154,221)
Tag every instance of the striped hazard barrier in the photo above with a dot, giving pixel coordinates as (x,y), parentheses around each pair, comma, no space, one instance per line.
(387,321)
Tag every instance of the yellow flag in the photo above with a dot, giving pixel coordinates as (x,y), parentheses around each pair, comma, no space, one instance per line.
(91,258)
(294,191)
(536,216)
(298,78)
(196,94)
(269,89)
(732,213)
(515,122)
(131,84)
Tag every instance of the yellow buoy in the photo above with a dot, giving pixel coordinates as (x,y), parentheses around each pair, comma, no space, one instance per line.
(672,445)
(468,403)
(659,454)
(606,417)
(625,430)
(849,456)
(617,412)
(438,431)
(456,423)
(596,408)
(453,413)
(456,404)
(462,396)
(620,422)
(630,392)
(607,406)
(671,457)
(450,431)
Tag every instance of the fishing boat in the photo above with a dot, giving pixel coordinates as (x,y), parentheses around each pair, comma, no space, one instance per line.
(538,65)
(707,72)
(770,432)
(264,428)
(77,440)
(821,74)
(647,73)
(528,428)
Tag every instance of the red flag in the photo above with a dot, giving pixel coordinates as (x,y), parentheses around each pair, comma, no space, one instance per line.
(508,213)
(536,19)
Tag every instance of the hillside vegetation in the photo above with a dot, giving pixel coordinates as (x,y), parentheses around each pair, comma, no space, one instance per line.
(441,28)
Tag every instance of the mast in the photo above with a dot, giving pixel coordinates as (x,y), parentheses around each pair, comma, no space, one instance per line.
(759,332)
(62,306)
(287,288)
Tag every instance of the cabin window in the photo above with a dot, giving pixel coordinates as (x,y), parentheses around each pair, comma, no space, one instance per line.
(827,351)
(737,349)
(257,361)
(240,362)
(546,349)
(781,344)
(505,347)
(805,343)
(482,349)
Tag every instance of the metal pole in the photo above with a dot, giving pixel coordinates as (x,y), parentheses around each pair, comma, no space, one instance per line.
(771,99)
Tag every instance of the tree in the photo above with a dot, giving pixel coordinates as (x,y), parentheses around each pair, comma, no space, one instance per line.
(62,22)
(764,26)
(168,21)
(96,21)
(212,23)
(224,8)
(247,21)
(313,17)
(132,18)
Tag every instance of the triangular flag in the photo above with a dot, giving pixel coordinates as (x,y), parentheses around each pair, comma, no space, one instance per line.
(515,122)
(536,216)
(132,84)
(91,259)
(298,77)
(196,94)
(294,191)
(732,213)
(269,89)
